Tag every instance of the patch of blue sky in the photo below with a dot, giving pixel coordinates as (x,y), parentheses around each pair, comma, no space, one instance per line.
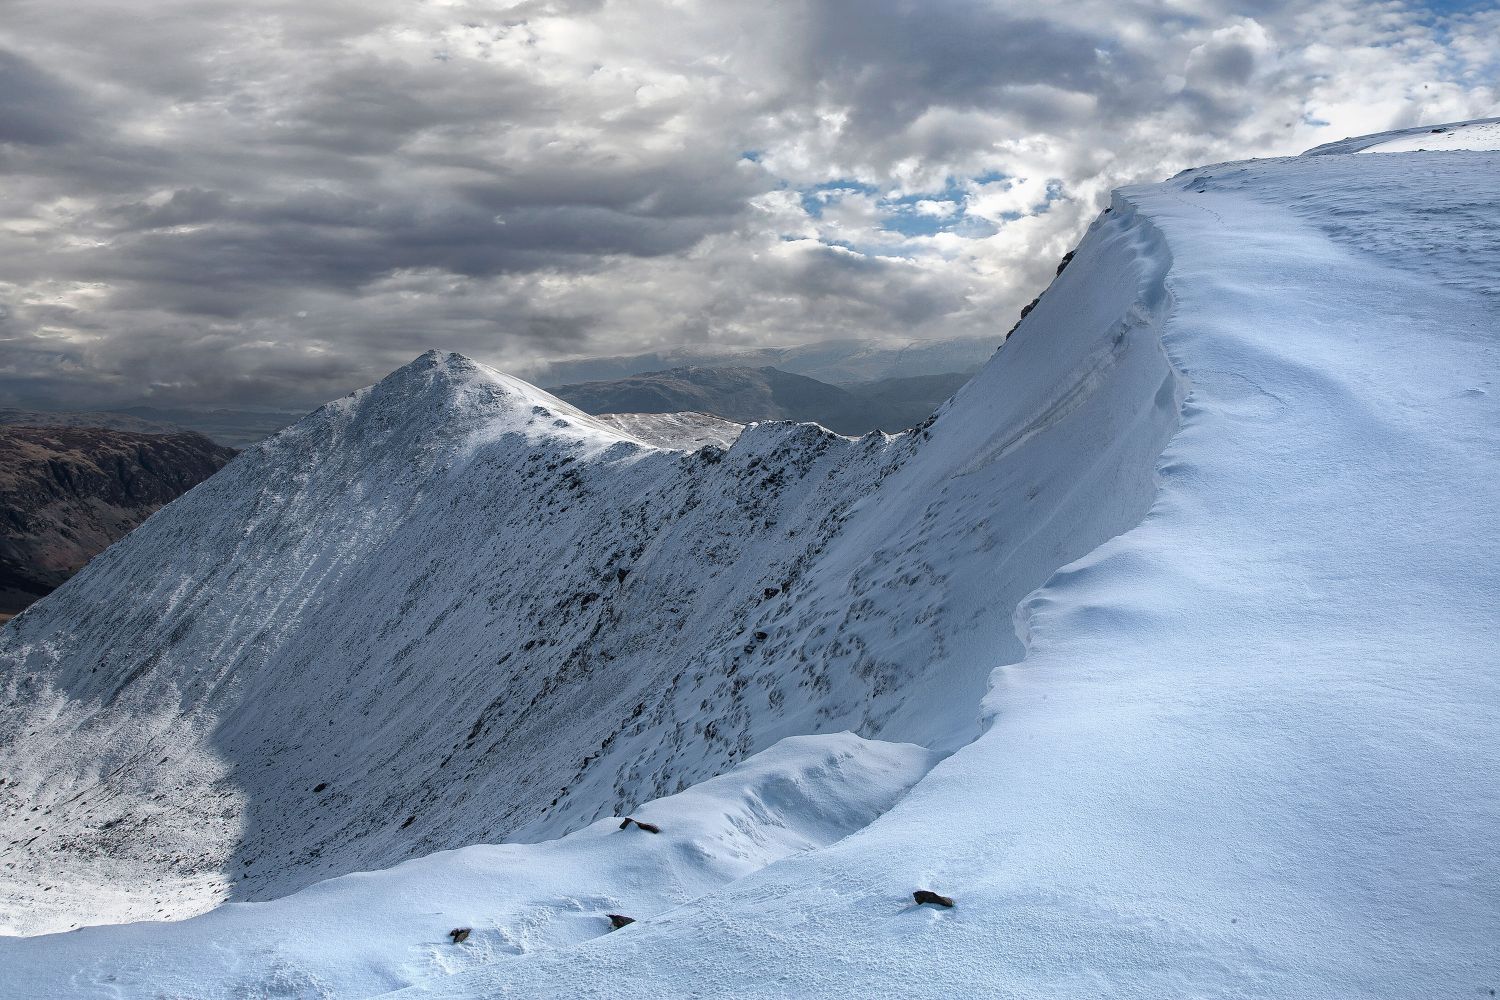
(989,177)
(953,189)
(1054,193)
(816,197)
(926,213)
(922,213)
(911,224)
(1454,6)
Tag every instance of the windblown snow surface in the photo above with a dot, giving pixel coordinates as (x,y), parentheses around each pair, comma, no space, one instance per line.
(1169,644)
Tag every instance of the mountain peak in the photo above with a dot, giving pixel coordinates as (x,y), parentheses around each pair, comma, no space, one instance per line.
(450,367)
(462,394)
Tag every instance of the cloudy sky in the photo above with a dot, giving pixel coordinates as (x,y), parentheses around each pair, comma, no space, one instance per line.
(271,202)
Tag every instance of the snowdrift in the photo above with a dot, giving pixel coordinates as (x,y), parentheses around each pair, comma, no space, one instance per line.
(1192,588)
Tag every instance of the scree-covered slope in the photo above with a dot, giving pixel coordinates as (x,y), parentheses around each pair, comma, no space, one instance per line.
(1205,645)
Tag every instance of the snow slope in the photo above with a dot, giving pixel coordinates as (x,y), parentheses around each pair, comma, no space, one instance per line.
(367,934)
(451,609)
(1247,747)
(1252,751)
(1480,135)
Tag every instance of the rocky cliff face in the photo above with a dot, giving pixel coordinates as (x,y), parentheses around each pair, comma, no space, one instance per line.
(68,493)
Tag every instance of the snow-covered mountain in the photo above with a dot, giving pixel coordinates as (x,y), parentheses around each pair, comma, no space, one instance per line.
(452,609)
(1191,589)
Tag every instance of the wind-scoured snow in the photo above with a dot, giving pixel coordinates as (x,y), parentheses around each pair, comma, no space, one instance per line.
(1208,642)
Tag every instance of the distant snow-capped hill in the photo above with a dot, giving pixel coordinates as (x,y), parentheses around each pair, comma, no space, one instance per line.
(739,394)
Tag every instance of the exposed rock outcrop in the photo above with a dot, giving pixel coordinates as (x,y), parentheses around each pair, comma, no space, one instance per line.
(68,493)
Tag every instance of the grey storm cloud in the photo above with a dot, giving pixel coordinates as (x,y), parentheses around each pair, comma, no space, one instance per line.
(889,63)
(35,109)
(272,202)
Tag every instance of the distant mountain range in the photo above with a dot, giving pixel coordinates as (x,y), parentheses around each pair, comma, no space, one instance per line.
(75,482)
(838,362)
(112,420)
(739,393)
(234,428)
(745,395)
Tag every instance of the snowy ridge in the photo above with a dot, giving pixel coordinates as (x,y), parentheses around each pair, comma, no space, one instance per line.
(1247,749)
(317,548)
(1251,749)
(1480,134)
(369,638)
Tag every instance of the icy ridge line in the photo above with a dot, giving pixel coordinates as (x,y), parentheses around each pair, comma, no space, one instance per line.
(1149,313)
(1251,752)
